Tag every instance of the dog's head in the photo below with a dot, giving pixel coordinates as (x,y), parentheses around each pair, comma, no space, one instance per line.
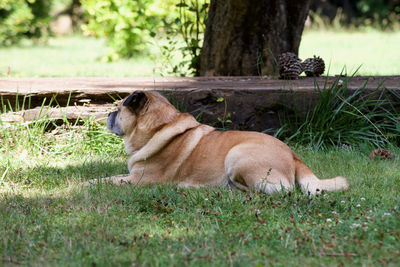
(141,113)
(122,121)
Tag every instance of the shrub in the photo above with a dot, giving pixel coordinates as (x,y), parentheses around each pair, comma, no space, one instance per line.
(186,36)
(23,19)
(381,14)
(127,25)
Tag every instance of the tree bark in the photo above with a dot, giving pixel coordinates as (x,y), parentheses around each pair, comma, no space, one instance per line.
(245,37)
(74,10)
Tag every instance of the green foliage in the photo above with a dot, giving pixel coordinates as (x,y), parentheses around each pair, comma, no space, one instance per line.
(226,117)
(346,117)
(379,10)
(382,14)
(127,25)
(186,35)
(23,19)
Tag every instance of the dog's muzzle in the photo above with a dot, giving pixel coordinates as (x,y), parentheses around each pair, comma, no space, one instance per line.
(113,125)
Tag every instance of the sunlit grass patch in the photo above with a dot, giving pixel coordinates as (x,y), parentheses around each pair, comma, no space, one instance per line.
(376,52)
(71,56)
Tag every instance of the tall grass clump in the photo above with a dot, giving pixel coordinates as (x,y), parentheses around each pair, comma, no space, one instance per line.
(48,145)
(346,116)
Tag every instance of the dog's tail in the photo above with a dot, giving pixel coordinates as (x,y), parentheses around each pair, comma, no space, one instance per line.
(310,183)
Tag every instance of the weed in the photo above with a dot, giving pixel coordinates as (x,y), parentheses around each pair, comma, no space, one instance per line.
(344,116)
(225,120)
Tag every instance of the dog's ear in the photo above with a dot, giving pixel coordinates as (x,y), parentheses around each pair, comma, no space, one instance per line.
(136,100)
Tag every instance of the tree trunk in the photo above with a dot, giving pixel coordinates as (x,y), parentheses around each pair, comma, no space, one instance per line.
(74,10)
(245,37)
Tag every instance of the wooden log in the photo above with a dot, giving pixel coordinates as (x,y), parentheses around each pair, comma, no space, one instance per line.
(71,113)
(251,103)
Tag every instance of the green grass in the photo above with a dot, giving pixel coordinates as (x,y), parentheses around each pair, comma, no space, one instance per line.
(47,218)
(376,52)
(373,120)
(73,56)
(77,56)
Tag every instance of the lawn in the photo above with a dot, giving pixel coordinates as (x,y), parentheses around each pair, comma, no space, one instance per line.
(47,218)
(75,56)
(377,53)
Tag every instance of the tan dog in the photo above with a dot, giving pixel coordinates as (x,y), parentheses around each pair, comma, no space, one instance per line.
(168,146)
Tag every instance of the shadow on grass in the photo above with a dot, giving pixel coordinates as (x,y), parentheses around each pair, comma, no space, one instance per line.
(167,225)
(104,224)
(155,225)
(50,177)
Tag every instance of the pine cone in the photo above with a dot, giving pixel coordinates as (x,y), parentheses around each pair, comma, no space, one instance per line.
(381,153)
(290,66)
(314,66)
(285,57)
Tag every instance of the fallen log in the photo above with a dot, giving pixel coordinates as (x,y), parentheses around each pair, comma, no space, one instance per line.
(248,103)
(71,113)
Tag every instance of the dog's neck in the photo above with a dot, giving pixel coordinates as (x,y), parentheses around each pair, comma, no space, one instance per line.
(149,122)
(161,138)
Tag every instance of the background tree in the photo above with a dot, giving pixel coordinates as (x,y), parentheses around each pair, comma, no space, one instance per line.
(245,37)
(74,11)
(21,19)
(380,14)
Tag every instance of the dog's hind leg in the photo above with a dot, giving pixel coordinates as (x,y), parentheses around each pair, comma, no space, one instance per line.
(247,171)
(260,181)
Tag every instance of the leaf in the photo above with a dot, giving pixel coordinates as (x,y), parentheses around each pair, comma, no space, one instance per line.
(220,99)
(204,6)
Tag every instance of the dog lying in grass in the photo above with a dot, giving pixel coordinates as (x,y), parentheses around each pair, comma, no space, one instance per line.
(168,146)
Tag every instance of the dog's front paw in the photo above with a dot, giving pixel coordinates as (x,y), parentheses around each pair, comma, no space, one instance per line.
(91,182)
